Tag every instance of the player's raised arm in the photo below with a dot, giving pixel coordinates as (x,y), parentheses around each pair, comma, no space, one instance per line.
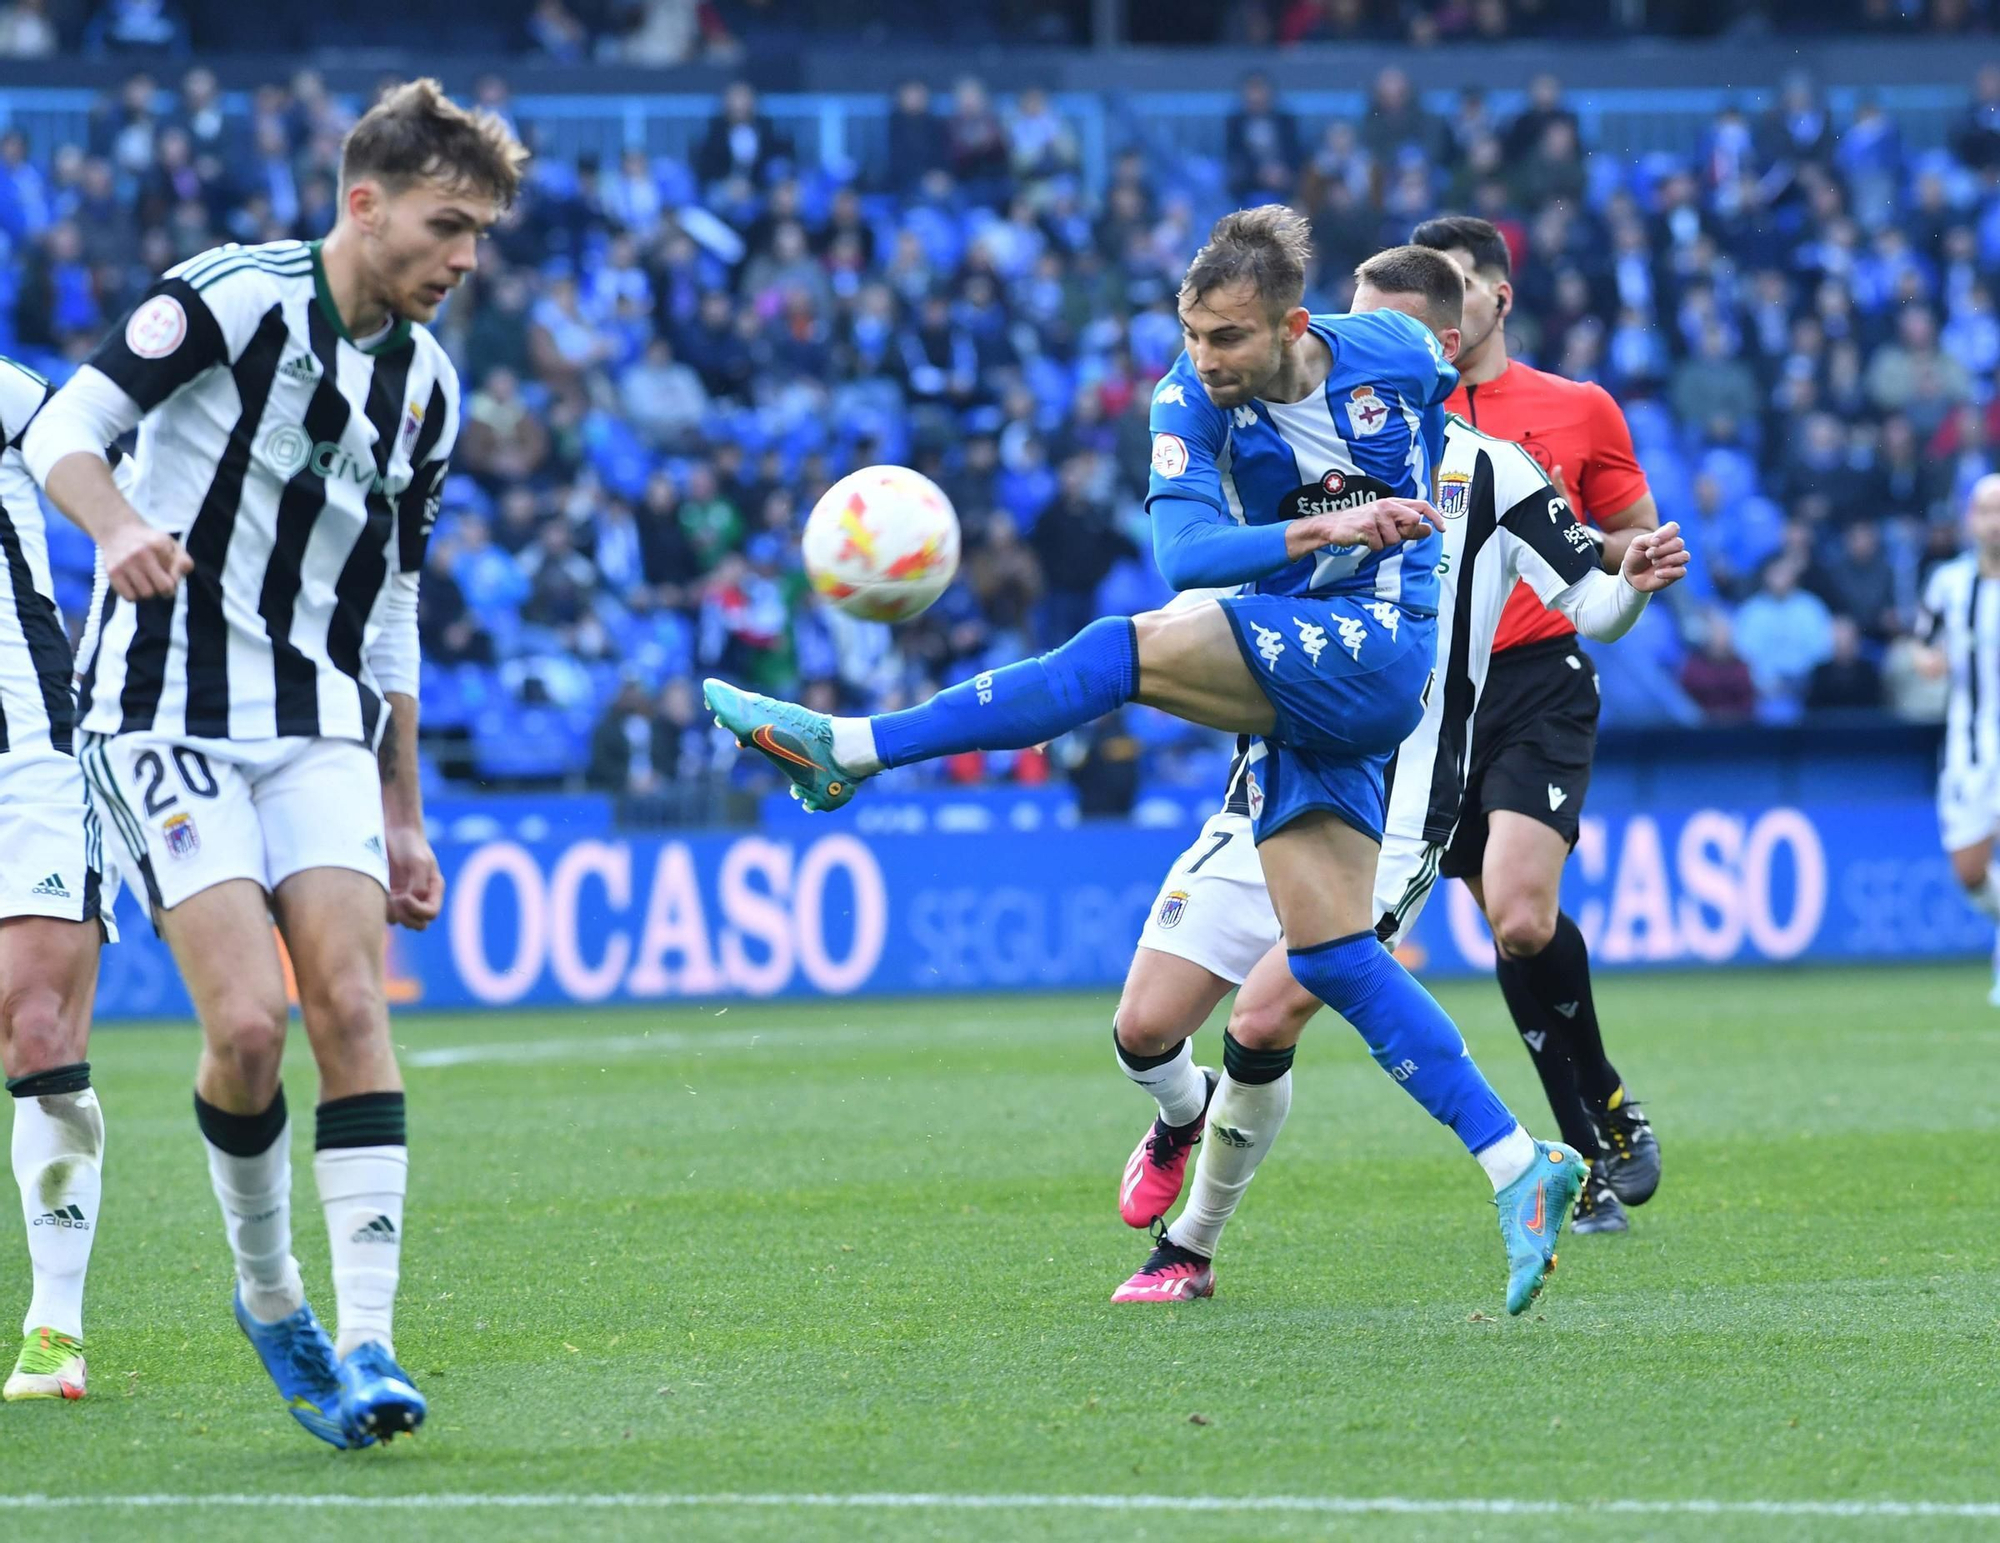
(1557,554)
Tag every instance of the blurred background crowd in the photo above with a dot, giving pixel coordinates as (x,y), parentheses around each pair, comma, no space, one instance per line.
(666,358)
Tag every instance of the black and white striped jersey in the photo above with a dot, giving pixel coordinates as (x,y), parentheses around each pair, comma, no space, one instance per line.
(37,706)
(301,468)
(1961,615)
(1503,522)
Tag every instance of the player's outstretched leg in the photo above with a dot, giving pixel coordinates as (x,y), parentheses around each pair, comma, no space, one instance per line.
(1169,992)
(49,965)
(1006,709)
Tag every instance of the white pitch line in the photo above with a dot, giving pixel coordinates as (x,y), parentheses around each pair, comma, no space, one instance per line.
(573,1048)
(1340,1505)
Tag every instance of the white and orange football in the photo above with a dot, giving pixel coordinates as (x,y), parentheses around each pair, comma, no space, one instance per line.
(882,544)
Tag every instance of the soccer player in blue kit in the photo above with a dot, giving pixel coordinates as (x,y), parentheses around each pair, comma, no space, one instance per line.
(1292,454)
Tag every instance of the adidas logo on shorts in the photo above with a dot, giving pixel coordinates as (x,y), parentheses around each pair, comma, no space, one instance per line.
(53,887)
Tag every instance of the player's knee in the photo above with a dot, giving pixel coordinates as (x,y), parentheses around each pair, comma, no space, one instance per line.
(1141,1031)
(247,1036)
(37,1028)
(349,1006)
(1523,922)
(1272,1020)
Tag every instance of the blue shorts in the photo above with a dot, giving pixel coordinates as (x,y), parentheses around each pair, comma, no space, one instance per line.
(1347,678)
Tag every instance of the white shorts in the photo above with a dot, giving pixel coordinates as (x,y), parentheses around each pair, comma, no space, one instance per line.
(53,854)
(186,814)
(1968,804)
(1214,909)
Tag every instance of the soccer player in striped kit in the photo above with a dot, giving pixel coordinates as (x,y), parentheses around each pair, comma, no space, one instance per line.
(249,708)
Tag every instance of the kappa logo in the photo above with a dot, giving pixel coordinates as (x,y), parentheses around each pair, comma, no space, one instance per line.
(1366,411)
(1557,798)
(1312,639)
(1269,644)
(1244,417)
(1173,906)
(1386,614)
(1352,634)
(52,887)
(1173,391)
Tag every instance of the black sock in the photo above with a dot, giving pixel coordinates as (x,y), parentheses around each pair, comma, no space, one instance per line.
(1253,1067)
(1560,976)
(362,1120)
(1549,1050)
(73,1078)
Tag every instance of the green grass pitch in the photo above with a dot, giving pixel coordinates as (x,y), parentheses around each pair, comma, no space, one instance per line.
(843,1247)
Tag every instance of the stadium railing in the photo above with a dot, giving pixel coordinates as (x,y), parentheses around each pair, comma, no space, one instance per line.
(845,130)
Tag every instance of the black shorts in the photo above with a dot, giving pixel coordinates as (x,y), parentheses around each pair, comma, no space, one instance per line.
(1533,738)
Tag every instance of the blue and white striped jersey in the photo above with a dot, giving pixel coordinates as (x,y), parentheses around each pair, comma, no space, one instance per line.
(1374,429)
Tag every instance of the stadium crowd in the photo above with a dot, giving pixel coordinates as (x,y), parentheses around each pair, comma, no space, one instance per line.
(664,363)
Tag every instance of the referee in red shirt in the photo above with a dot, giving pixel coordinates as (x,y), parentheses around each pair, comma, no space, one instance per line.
(1536,731)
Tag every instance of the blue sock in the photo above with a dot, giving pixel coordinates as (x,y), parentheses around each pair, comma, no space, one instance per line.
(1021,704)
(1410,1036)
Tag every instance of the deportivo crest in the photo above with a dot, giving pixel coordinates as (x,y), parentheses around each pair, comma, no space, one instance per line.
(1366,411)
(1335,491)
(1173,906)
(183,840)
(1253,793)
(1454,494)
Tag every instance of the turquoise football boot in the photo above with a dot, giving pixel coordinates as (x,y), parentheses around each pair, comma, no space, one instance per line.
(796,740)
(1532,1209)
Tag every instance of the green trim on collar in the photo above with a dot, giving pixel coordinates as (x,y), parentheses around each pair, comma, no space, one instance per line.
(397,336)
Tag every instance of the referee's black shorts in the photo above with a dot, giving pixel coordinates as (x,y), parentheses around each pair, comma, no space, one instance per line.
(1533,739)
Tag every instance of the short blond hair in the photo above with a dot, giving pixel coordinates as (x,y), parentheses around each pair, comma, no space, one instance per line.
(1269,247)
(416,131)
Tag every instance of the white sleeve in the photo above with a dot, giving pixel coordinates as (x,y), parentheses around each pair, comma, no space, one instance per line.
(393,652)
(1600,605)
(92,411)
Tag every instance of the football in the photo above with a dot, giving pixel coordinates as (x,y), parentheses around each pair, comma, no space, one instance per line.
(882,543)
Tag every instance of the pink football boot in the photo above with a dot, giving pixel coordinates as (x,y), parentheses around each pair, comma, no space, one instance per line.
(1170,1274)
(1157,1167)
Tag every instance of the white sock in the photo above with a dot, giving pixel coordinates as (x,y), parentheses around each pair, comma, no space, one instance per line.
(58,1160)
(361,1190)
(1177,1086)
(854,746)
(1244,1118)
(256,1198)
(1508,1158)
(1986,898)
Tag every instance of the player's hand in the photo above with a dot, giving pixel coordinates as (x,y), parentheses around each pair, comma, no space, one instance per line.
(416,886)
(1655,559)
(1562,487)
(1385,522)
(142,563)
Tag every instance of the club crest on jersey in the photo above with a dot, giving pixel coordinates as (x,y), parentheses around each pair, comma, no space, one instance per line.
(413,420)
(1333,492)
(1366,411)
(1253,794)
(1454,494)
(183,841)
(1169,455)
(1173,906)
